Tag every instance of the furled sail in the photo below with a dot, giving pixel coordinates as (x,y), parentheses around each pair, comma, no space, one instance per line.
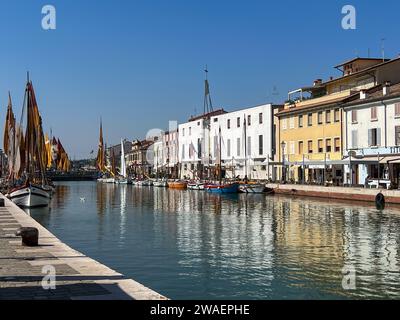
(100,161)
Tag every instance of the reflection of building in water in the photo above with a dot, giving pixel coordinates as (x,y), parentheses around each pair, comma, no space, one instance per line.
(61,194)
(122,189)
(215,233)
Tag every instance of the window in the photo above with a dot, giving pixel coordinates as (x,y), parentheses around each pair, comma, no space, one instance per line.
(320,117)
(199,149)
(310,149)
(397,133)
(354,139)
(216,145)
(291,122)
(238,147)
(397,109)
(249,146)
(291,147)
(337,144)
(328,145)
(228,123)
(238,122)
(183,132)
(228,148)
(328,116)
(190,131)
(260,145)
(374,137)
(284,124)
(374,115)
(198,123)
(354,116)
(337,115)
(300,121)
(300,147)
(249,120)
(260,118)
(183,151)
(215,119)
(309,119)
(320,146)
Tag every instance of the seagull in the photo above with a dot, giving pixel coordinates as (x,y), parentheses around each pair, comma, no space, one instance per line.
(82,199)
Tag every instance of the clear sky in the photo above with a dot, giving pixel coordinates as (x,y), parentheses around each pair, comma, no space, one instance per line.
(139,64)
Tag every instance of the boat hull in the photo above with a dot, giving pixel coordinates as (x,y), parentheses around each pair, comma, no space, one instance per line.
(252,188)
(31,197)
(177,185)
(225,188)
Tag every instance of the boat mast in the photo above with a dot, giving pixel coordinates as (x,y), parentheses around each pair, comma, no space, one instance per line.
(245,149)
(220,156)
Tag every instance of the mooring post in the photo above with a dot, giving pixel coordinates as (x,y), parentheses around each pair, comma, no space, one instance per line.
(30,236)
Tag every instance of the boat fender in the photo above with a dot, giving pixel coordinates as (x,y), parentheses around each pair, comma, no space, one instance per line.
(380,201)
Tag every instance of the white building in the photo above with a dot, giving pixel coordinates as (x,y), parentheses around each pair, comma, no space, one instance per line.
(194,146)
(372,136)
(170,149)
(158,157)
(250,129)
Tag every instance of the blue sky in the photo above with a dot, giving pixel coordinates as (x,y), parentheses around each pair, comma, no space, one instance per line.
(139,64)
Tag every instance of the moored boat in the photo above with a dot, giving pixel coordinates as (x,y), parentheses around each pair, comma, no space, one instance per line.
(31,196)
(177,185)
(251,188)
(222,188)
(195,186)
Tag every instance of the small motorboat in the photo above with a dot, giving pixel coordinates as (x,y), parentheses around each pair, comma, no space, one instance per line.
(252,188)
(160,183)
(222,188)
(177,185)
(195,186)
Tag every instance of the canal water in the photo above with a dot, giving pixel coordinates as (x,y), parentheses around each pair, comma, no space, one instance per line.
(195,245)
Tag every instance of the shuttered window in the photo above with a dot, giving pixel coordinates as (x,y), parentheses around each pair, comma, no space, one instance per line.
(374,137)
(354,139)
(328,147)
(228,147)
(354,116)
(397,133)
(310,147)
(374,115)
(397,109)
(320,146)
(337,144)
(238,147)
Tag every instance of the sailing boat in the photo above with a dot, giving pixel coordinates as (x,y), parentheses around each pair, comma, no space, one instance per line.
(221,187)
(123,179)
(100,160)
(248,187)
(30,186)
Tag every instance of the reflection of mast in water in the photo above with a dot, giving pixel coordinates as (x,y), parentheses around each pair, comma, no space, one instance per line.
(123,212)
(101,201)
(61,194)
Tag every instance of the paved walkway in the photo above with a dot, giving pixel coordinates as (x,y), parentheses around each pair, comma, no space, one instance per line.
(77,276)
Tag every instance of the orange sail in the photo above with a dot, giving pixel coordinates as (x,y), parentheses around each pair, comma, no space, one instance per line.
(100,161)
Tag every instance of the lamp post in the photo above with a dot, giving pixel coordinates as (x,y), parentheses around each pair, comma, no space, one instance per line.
(283,145)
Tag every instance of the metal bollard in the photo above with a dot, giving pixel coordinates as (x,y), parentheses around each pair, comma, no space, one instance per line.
(2,203)
(30,236)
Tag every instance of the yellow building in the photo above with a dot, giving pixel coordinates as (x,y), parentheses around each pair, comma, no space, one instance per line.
(310,128)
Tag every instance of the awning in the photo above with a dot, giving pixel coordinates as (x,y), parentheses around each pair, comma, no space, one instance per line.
(390,159)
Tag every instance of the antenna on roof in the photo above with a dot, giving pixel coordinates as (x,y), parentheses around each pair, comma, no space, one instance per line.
(383,48)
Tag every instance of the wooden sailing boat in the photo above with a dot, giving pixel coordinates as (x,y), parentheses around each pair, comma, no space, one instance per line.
(221,187)
(101,155)
(29,184)
(248,187)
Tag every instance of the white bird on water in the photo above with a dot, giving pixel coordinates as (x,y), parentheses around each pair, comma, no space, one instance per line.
(82,199)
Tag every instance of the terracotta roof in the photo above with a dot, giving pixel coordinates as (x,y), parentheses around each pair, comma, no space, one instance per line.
(311,106)
(373,94)
(208,115)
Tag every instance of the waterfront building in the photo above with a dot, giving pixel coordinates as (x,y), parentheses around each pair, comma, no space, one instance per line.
(138,158)
(372,136)
(170,151)
(310,127)
(247,142)
(116,150)
(158,157)
(194,146)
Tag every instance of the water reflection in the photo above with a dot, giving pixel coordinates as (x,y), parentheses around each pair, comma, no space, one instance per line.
(191,244)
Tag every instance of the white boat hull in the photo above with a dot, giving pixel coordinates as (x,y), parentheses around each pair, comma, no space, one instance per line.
(31,197)
(252,188)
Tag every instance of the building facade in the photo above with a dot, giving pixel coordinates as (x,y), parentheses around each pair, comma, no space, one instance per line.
(247,144)
(310,130)
(170,141)
(372,136)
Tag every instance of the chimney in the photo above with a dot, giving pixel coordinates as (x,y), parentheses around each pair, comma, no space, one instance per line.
(317,82)
(363,94)
(386,88)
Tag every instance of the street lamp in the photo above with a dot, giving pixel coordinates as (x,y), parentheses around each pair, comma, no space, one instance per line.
(283,145)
